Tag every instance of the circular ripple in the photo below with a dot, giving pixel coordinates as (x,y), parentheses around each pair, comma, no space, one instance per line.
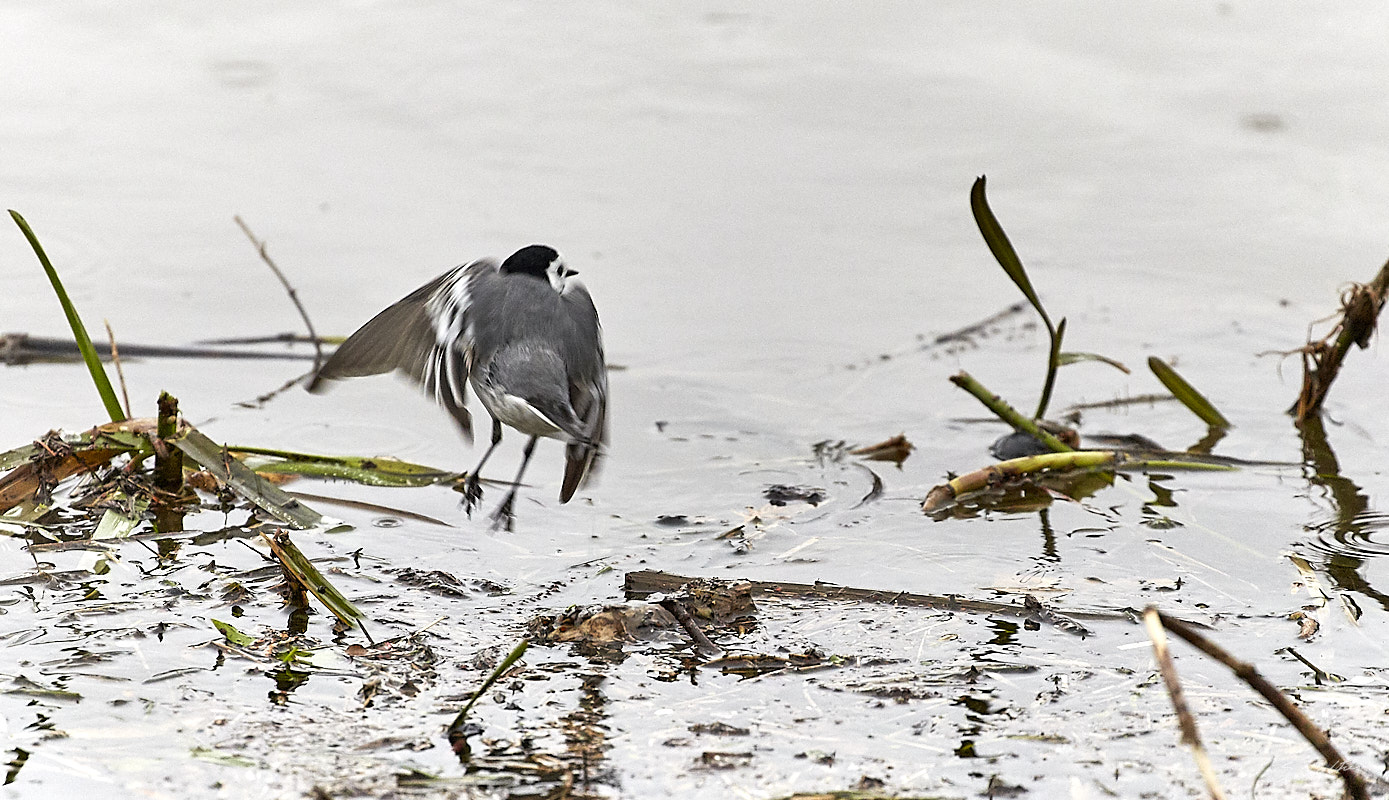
(1363,536)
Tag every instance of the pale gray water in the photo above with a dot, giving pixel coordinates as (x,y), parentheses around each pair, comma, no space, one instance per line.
(757,198)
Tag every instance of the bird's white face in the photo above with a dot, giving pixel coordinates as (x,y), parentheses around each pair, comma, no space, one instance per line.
(558,273)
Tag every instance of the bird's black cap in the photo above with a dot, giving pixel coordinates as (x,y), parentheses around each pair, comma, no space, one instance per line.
(531,260)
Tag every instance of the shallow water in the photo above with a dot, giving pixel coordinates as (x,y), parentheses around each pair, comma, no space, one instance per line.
(770,207)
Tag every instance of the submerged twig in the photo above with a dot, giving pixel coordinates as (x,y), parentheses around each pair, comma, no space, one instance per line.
(875,489)
(676,606)
(643,583)
(965,332)
(290,290)
(1315,736)
(20,348)
(1120,402)
(1186,721)
(376,508)
(277,391)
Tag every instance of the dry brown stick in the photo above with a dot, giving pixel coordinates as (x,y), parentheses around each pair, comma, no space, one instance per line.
(282,388)
(642,583)
(687,621)
(1315,736)
(1186,721)
(1321,360)
(293,294)
(120,373)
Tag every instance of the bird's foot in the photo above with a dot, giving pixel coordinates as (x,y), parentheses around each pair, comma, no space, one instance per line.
(472,493)
(504,516)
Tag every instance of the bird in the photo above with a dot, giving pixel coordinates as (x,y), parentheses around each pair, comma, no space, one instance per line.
(523,333)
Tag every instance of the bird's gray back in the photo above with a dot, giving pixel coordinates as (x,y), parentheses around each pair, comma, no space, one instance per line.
(515,309)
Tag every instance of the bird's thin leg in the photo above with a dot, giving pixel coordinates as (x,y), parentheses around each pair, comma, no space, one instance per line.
(504,514)
(472,489)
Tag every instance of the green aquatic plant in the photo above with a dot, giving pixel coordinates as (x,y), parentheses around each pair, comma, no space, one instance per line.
(79,331)
(1187,394)
(1007,258)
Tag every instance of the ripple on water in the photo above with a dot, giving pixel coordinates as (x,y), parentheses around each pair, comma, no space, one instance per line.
(1364,535)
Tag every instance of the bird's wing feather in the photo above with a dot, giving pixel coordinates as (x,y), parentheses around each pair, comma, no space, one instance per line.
(588,390)
(421,336)
(581,459)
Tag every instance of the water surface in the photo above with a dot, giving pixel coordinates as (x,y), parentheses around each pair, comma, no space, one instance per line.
(770,208)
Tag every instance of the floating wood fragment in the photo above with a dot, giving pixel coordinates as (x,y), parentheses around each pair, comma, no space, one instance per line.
(643,583)
(895,449)
(1017,470)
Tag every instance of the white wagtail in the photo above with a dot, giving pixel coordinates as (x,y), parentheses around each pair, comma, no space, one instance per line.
(527,338)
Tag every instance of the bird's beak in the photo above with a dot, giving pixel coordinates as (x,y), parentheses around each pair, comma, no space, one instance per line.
(572,273)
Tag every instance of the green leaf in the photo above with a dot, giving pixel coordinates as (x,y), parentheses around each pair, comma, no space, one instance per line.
(215,459)
(1187,393)
(455,728)
(1053,364)
(368,471)
(116,524)
(1076,358)
(79,331)
(1007,258)
(224,759)
(20,455)
(294,655)
(1002,249)
(233,635)
(311,579)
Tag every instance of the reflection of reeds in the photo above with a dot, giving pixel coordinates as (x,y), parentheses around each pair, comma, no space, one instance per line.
(457,733)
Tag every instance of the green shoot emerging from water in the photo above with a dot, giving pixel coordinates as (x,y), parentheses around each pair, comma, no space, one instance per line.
(79,331)
(1007,258)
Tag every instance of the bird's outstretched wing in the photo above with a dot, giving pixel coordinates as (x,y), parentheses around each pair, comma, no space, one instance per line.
(423,336)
